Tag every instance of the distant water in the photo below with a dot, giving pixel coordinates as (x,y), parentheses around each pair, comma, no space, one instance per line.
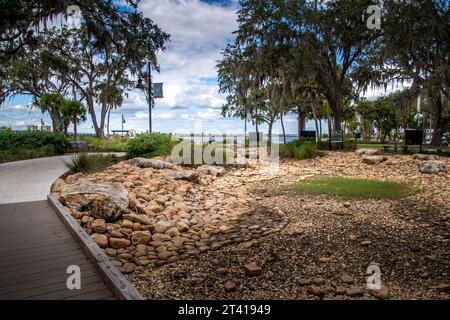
(239,138)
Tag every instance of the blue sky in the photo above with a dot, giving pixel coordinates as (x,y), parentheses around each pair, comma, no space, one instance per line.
(199,30)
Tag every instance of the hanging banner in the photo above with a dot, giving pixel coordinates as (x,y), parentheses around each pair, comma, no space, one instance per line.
(157,91)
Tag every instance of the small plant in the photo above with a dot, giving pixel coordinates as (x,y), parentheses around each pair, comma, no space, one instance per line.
(150,145)
(88,163)
(299,150)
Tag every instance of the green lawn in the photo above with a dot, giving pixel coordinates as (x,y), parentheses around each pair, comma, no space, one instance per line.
(354,188)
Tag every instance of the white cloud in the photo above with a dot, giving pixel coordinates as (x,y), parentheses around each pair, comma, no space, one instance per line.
(199,31)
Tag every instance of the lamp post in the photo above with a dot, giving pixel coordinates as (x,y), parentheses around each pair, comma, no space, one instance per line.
(140,85)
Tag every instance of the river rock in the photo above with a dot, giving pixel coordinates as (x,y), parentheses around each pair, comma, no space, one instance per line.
(140,237)
(100,239)
(433,167)
(58,185)
(118,243)
(102,200)
(162,226)
(189,175)
(150,163)
(215,171)
(368,152)
(99,226)
(373,159)
(423,157)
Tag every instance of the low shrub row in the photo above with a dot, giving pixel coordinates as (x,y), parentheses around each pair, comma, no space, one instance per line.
(150,145)
(299,150)
(33,140)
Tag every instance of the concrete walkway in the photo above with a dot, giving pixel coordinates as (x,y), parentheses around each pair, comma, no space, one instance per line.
(30,180)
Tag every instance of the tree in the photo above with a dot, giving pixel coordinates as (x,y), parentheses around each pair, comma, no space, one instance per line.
(73,112)
(293,42)
(100,72)
(415,48)
(54,104)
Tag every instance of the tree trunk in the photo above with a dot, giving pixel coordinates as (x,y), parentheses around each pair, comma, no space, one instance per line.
(329,128)
(439,130)
(75,128)
(270,132)
(337,113)
(320,130)
(315,121)
(282,127)
(90,102)
(107,127)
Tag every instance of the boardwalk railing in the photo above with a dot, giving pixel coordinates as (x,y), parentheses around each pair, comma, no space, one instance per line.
(113,277)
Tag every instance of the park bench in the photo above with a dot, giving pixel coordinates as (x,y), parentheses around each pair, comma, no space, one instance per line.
(81,145)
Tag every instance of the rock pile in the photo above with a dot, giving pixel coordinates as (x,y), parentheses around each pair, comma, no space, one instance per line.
(148,212)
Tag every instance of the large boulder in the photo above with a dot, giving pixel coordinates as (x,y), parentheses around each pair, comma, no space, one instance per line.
(150,163)
(373,159)
(425,157)
(189,175)
(433,167)
(102,200)
(211,170)
(368,152)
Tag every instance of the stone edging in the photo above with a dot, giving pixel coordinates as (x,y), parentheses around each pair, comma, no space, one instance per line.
(113,277)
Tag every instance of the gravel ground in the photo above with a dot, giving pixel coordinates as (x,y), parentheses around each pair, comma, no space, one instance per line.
(328,244)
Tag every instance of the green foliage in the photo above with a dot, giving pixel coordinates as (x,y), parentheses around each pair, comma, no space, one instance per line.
(192,159)
(88,163)
(33,140)
(150,145)
(299,150)
(349,144)
(17,153)
(355,188)
(113,144)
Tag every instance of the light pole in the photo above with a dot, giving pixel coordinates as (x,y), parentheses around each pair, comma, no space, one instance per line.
(140,85)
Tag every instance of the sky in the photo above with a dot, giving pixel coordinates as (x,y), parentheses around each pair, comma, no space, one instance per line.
(199,30)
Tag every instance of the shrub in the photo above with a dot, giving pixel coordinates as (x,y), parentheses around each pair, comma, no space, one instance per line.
(87,163)
(287,150)
(33,140)
(307,150)
(150,145)
(227,157)
(299,150)
(114,144)
(348,145)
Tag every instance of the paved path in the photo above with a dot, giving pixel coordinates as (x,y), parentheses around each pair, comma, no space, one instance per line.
(30,180)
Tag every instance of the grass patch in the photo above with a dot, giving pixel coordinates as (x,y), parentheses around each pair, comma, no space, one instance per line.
(355,188)
(299,150)
(88,163)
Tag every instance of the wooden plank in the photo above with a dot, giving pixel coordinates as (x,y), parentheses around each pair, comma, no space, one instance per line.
(42,284)
(63,262)
(36,249)
(65,293)
(33,280)
(115,279)
(38,246)
(39,256)
(98,295)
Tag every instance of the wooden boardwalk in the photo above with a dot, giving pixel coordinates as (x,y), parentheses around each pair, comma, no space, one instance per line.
(35,251)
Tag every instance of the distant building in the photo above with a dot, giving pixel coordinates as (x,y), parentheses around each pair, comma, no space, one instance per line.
(32,128)
(46,128)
